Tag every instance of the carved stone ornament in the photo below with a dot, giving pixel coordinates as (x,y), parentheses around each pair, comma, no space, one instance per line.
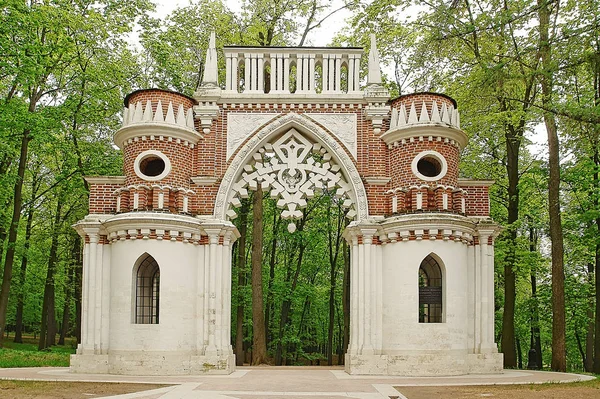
(240,126)
(243,163)
(293,168)
(342,125)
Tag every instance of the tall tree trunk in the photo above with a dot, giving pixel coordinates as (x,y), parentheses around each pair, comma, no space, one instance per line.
(68,293)
(259,343)
(14,227)
(48,327)
(239,330)
(269,307)
(559,361)
(513,143)
(596,361)
(536,343)
(286,305)
(23,275)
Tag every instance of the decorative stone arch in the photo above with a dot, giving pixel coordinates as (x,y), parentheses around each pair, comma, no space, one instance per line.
(306,127)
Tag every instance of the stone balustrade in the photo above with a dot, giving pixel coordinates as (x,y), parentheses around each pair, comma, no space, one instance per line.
(261,70)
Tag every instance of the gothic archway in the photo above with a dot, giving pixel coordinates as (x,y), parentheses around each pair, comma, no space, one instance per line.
(292,157)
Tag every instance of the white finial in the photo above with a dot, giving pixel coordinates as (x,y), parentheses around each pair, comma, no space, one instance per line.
(374,71)
(210,66)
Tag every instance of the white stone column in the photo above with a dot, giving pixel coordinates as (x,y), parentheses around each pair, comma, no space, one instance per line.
(213,244)
(261,73)
(201,313)
(99,289)
(234,74)
(286,73)
(85,293)
(311,73)
(487,292)
(472,303)
(369,294)
(354,320)
(299,74)
(357,74)
(247,73)
(226,338)
(228,68)
(378,290)
(274,71)
(219,290)
(92,294)
(351,72)
(280,73)
(477,276)
(325,74)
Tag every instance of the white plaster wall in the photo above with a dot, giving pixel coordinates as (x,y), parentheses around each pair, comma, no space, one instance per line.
(402,332)
(177,324)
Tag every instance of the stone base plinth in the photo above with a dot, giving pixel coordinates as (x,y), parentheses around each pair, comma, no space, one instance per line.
(152,363)
(416,364)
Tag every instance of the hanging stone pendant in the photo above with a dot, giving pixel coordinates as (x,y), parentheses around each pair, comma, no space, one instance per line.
(292,227)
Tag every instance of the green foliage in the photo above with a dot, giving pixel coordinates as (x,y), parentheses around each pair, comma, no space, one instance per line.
(27,355)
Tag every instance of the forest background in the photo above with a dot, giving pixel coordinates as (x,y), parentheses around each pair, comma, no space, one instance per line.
(518,69)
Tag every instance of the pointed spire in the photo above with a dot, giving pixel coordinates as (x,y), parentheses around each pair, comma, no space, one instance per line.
(125,116)
(435,113)
(139,113)
(394,119)
(211,72)
(158,115)
(402,116)
(148,112)
(424,117)
(180,115)
(170,118)
(412,117)
(374,71)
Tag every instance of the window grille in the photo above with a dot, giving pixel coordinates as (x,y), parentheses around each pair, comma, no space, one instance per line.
(430,291)
(147,296)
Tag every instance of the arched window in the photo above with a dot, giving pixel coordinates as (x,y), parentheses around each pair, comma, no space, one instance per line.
(430,291)
(147,291)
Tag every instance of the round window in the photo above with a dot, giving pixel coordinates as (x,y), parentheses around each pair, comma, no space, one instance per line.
(152,165)
(429,166)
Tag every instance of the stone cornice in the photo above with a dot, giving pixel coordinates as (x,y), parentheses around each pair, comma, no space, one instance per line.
(441,221)
(120,180)
(286,98)
(377,180)
(462,182)
(156,129)
(204,180)
(434,129)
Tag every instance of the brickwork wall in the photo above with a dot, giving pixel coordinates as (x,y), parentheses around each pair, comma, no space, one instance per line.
(208,159)
(477,200)
(102,199)
(401,158)
(180,156)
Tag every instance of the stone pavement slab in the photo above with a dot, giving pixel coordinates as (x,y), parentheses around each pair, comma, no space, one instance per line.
(285,382)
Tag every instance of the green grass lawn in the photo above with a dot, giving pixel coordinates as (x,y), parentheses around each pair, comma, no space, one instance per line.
(27,354)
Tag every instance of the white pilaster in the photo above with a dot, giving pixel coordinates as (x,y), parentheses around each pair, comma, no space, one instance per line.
(354,323)
(261,73)
(202,266)
(213,243)
(247,73)
(325,74)
(299,74)
(286,73)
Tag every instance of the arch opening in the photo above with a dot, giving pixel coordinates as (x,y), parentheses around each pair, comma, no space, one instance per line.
(147,291)
(430,291)
(292,158)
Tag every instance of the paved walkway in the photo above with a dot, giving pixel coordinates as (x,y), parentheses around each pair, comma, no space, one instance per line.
(285,382)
